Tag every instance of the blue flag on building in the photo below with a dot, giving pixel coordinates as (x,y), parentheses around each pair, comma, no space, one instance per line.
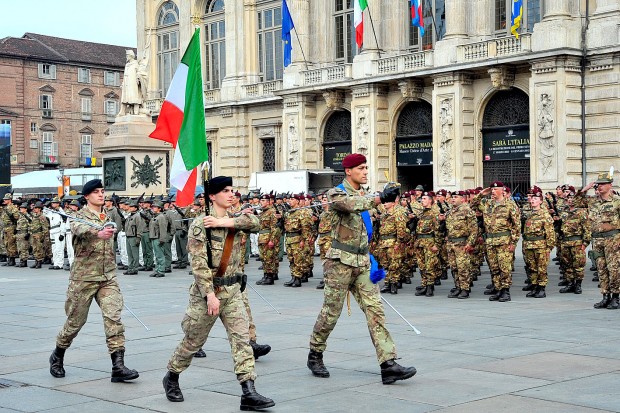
(516,17)
(287,26)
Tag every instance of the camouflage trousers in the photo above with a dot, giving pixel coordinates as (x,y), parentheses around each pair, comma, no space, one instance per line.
(444,260)
(537,261)
(271,262)
(607,252)
(251,325)
(499,258)
(38,245)
(392,258)
(108,296)
(47,247)
(340,279)
(10,244)
(2,246)
(23,247)
(428,261)
(297,258)
(461,264)
(573,259)
(324,244)
(197,324)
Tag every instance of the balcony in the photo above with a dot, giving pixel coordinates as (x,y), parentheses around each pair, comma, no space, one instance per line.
(258,90)
(212,95)
(404,63)
(494,48)
(87,116)
(47,114)
(327,74)
(49,160)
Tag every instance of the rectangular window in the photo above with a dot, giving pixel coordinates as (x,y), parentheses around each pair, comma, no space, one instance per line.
(86,149)
(33,127)
(49,147)
(111,78)
(47,71)
(5,122)
(270,44)
(346,48)
(500,15)
(167,58)
(87,108)
(532,14)
(45,102)
(215,54)
(111,109)
(434,12)
(34,144)
(83,75)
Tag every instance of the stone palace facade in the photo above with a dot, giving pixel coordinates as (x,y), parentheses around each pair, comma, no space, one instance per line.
(465,104)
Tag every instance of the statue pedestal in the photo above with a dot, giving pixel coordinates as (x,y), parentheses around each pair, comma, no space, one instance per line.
(133,163)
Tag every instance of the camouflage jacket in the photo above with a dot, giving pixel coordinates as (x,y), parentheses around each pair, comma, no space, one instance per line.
(349,231)
(461,223)
(499,217)
(39,224)
(575,224)
(95,258)
(10,215)
(23,223)
(428,224)
(298,226)
(269,230)
(393,228)
(538,232)
(197,247)
(604,215)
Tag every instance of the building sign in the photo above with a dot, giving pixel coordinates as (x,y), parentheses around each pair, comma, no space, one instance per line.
(5,154)
(333,154)
(506,145)
(414,152)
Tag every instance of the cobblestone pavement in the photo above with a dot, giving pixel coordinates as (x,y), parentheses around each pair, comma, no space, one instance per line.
(556,354)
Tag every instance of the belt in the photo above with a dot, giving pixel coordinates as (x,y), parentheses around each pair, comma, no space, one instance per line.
(264,231)
(605,234)
(293,234)
(573,238)
(498,234)
(384,237)
(534,238)
(349,248)
(228,281)
(423,236)
(458,239)
(216,238)
(55,226)
(36,232)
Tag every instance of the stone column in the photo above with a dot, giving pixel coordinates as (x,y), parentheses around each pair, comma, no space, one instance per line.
(558,28)
(554,9)
(453,131)
(236,46)
(456,19)
(483,27)
(603,29)
(300,11)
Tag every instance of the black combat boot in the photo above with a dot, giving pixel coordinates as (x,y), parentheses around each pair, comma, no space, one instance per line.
(23,263)
(454,293)
(490,286)
(267,280)
(251,400)
(529,287)
(259,350)
(391,371)
(505,295)
(200,354)
(444,273)
(393,288)
(171,386)
(296,282)
(437,281)
(321,285)
(491,291)
(604,302)
(120,373)
(614,303)
(10,262)
(315,364)
(533,291)
(563,283)
(262,280)
(387,286)
(2,258)
(570,288)
(304,278)
(423,290)
(56,362)
(290,282)
(37,264)
(406,280)
(495,296)
(311,274)
(420,287)
(430,291)
(540,293)
(275,277)
(595,278)
(399,284)
(578,289)
(464,294)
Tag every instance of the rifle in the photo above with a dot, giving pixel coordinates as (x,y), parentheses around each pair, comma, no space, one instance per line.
(118,210)
(141,197)
(412,224)
(442,224)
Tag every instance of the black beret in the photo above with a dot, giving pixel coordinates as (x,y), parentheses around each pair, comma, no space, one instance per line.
(91,185)
(217,184)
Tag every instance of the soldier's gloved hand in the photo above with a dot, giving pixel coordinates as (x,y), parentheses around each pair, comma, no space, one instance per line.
(389,194)
(138,242)
(61,238)
(161,243)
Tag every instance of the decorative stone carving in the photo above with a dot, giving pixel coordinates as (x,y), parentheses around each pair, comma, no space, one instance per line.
(266,132)
(114,174)
(446,121)
(334,99)
(411,89)
(293,145)
(546,133)
(362,128)
(146,173)
(502,78)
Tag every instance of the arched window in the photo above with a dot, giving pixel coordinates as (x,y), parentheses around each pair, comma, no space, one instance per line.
(167,43)
(215,46)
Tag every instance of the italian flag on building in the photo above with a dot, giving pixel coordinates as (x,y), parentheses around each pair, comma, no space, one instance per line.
(358,20)
(181,122)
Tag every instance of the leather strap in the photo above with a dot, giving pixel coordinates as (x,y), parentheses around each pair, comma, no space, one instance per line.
(226,253)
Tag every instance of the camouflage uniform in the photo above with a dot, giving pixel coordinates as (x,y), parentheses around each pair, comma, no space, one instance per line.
(38,229)
(347,269)
(197,323)
(538,241)
(461,228)
(443,247)
(393,236)
(297,228)
(326,224)
(604,218)
(502,223)
(10,215)
(93,275)
(427,237)
(22,236)
(576,236)
(269,232)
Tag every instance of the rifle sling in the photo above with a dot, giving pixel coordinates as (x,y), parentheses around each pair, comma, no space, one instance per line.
(226,253)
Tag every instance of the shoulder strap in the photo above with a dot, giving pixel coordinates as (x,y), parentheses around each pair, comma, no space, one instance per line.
(228,245)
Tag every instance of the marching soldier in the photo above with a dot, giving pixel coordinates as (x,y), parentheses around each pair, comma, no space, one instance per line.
(10,215)
(22,236)
(297,230)
(461,227)
(158,236)
(39,231)
(538,241)
(428,239)
(57,235)
(132,239)
(268,241)
(93,276)
(502,226)
(576,236)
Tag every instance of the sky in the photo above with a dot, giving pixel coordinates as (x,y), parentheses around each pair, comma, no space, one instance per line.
(99,21)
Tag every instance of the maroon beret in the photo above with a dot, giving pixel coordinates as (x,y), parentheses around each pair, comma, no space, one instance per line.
(442,192)
(353,160)
(507,189)
(497,184)
(460,193)
(429,193)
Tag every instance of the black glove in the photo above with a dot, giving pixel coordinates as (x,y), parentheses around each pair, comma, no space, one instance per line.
(27,237)
(389,194)
(138,242)
(61,237)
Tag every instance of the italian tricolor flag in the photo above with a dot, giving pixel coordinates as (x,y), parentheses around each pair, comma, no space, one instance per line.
(181,122)
(358,20)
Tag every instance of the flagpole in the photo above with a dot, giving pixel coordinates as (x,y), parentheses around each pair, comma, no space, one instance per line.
(301,48)
(372,24)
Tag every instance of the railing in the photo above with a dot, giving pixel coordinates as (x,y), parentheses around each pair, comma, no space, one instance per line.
(327,74)
(404,63)
(154,105)
(489,49)
(212,95)
(263,89)
(49,159)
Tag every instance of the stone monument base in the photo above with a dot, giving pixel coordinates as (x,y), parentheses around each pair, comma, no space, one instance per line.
(133,163)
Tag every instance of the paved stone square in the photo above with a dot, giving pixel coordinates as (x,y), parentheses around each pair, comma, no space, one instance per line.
(542,355)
